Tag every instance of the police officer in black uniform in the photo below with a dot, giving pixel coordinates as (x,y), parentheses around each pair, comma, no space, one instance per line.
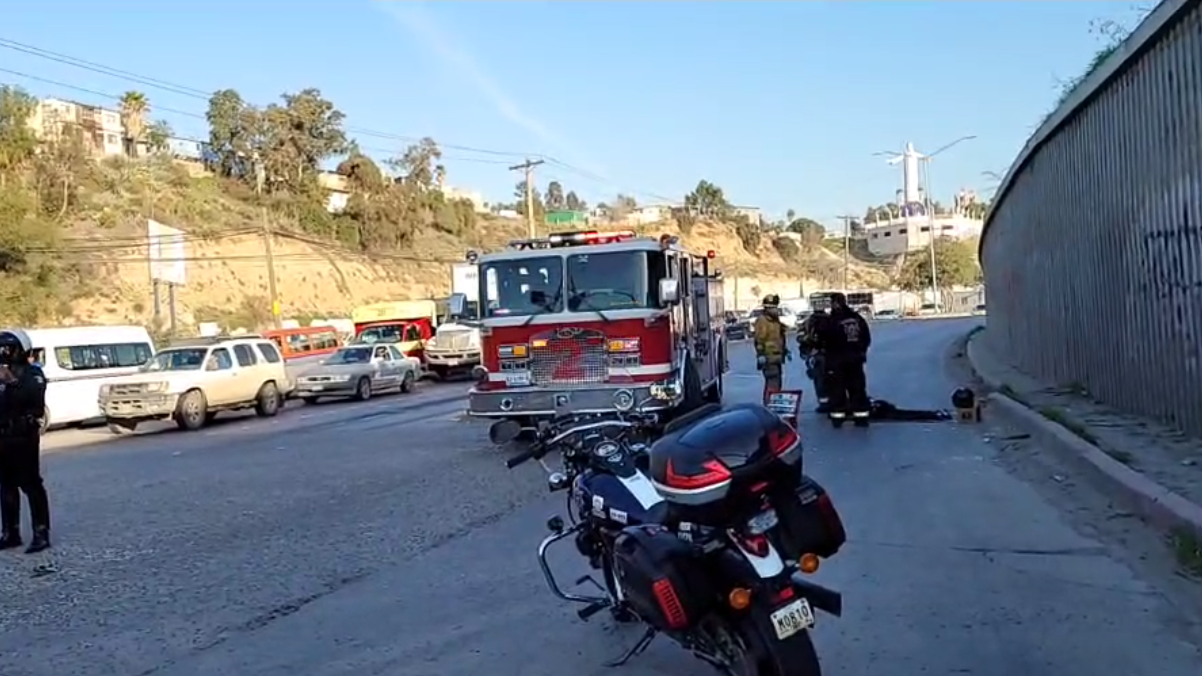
(22,405)
(846,341)
(809,341)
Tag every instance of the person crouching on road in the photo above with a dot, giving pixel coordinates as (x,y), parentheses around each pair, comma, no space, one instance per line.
(22,405)
(809,341)
(771,346)
(846,340)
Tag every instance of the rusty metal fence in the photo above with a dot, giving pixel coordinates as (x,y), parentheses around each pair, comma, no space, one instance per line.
(1093,250)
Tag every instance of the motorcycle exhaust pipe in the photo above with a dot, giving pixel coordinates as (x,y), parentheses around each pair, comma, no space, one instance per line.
(822,598)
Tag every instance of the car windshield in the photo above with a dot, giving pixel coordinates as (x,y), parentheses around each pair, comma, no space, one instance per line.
(528,286)
(350,355)
(616,280)
(184,359)
(390,333)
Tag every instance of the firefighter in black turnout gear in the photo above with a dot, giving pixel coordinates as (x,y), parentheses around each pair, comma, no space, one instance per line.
(22,405)
(846,340)
(809,342)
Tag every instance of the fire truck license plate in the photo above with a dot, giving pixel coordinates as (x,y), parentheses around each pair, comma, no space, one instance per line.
(517,379)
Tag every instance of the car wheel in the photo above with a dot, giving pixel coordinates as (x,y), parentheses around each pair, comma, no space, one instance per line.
(407,382)
(267,402)
(191,412)
(363,390)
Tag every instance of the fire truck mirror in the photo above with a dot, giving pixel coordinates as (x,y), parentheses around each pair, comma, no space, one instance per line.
(457,305)
(669,292)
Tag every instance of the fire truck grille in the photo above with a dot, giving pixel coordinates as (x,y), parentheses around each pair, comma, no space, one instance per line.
(571,356)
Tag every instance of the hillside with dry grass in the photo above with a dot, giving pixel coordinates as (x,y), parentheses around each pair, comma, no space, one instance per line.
(227,273)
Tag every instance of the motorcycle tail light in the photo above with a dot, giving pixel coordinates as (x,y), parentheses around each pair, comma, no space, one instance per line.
(669,604)
(713,473)
(755,544)
(782,441)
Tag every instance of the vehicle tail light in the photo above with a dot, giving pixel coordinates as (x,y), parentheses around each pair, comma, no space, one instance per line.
(755,544)
(623,345)
(669,604)
(782,441)
(713,473)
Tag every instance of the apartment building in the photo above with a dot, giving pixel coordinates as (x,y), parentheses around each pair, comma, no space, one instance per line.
(100,127)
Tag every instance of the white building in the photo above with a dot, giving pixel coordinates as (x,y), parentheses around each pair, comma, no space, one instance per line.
(902,235)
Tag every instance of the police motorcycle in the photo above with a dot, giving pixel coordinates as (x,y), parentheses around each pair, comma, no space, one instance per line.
(706,536)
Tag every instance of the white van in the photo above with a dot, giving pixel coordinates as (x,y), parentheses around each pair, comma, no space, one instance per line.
(79,359)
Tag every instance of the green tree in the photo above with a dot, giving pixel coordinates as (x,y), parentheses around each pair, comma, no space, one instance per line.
(708,201)
(574,203)
(519,196)
(421,165)
(134,109)
(811,231)
(18,144)
(955,265)
(554,198)
(621,207)
(158,136)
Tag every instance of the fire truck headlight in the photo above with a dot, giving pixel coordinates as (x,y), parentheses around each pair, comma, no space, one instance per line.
(665,391)
(623,400)
(480,374)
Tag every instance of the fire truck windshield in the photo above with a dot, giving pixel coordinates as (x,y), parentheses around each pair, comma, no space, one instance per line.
(618,280)
(614,280)
(528,286)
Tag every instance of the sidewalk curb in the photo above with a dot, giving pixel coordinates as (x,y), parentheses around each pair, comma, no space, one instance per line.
(1160,506)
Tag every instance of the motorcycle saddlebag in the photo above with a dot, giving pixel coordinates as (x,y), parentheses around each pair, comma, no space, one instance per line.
(661,576)
(809,522)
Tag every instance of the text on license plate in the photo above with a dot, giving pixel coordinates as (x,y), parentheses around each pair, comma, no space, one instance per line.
(762,523)
(517,379)
(795,617)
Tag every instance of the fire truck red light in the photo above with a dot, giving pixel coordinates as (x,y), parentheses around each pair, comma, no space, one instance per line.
(711,254)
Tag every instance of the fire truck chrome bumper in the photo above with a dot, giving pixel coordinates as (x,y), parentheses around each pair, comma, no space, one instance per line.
(532,402)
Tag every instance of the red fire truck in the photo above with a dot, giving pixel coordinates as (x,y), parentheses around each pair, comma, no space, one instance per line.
(596,322)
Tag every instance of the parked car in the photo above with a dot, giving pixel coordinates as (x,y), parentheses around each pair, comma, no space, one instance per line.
(359,372)
(737,326)
(979,310)
(886,314)
(191,381)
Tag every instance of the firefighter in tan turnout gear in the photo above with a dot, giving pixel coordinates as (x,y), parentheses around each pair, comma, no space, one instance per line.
(771,346)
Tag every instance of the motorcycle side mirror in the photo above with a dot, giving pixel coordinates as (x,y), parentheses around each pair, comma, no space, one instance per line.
(504,431)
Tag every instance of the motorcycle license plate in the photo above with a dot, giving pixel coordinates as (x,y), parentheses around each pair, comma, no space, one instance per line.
(763,522)
(795,617)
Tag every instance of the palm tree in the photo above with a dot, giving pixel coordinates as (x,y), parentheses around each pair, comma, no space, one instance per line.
(134,109)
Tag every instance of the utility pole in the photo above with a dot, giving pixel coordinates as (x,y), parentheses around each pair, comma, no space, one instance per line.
(271,289)
(846,247)
(528,167)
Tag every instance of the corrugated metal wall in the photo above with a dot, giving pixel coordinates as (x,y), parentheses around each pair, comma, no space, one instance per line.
(1093,253)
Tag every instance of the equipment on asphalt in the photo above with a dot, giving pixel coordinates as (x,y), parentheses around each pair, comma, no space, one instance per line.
(706,536)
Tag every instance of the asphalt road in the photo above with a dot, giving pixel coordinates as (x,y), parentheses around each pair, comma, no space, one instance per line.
(387,538)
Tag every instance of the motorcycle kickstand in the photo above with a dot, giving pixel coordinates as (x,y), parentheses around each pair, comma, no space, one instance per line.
(635,650)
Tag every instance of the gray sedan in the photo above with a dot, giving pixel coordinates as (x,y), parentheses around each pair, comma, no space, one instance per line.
(358,371)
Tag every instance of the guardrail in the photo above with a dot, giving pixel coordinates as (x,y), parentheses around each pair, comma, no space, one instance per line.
(1093,249)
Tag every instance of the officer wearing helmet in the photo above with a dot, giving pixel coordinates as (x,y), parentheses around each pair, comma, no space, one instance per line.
(771,348)
(810,341)
(846,340)
(22,405)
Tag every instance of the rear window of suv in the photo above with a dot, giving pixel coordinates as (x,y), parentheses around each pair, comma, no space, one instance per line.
(270,353)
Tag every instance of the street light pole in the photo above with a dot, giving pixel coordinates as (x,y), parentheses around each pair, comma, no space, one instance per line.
(930,207)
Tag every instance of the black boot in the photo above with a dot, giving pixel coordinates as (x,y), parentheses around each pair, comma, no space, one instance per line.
(10,539)
(40,541)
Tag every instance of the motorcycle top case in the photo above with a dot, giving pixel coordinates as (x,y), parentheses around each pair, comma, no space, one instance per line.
(725,453)
(662,577)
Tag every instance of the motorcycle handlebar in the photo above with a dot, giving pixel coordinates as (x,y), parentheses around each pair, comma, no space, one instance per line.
(528,454)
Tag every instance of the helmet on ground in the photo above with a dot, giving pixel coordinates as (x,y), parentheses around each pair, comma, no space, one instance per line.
(771,300)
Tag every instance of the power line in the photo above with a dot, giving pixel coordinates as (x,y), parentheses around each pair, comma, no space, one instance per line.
(194,92)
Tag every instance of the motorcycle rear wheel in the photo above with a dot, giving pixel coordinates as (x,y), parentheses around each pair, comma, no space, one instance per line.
(765,655)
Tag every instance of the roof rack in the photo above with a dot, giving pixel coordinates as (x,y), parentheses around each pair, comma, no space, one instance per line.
(212,340)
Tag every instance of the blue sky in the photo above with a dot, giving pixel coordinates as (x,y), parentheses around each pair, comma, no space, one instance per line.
(780,103)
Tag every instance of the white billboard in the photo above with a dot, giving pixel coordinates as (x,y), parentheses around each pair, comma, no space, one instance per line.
(167,253)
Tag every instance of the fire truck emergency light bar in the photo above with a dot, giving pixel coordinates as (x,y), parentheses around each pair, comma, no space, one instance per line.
(573,239)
